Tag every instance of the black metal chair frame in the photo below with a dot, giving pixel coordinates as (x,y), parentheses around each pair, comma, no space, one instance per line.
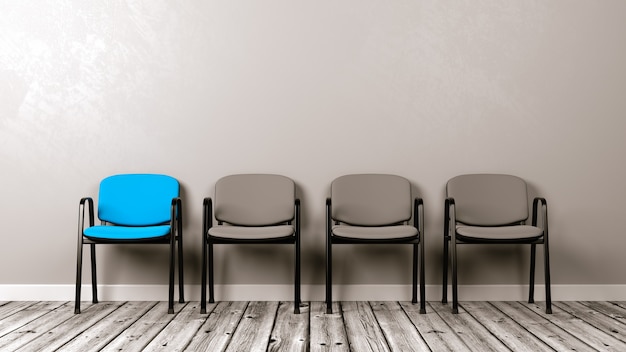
(416,241)
(176,234)
(450,235)
(207,253)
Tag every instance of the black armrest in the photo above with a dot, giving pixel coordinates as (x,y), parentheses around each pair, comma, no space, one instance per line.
(207,215)
(544,212)
(449,204)
(418,215)
(81,212)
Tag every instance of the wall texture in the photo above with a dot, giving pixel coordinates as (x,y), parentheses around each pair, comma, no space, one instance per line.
(312,90)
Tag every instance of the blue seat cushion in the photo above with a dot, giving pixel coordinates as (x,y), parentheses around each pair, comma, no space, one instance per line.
(124,233)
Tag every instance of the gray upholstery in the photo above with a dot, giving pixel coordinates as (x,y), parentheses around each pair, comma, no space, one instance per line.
(239,232)
(371,199)
(375,233)
(254,199)
(489,199)
(500,233)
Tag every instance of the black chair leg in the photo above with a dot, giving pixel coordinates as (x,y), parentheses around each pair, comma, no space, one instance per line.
(329,279)
(531,281)
(296,302)
(181,284)
(422,279)
(211,278)
(94,281)
(444,285)
(79,271)
(547,275)
(203,279)
(455,292)
(170,302)
(414,277)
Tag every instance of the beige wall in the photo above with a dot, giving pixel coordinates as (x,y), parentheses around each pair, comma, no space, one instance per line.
(312,90)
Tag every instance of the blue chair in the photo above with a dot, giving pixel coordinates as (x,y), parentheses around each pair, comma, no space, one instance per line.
(133,208)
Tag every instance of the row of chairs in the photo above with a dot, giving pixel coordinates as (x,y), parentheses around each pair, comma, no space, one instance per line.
(361,209)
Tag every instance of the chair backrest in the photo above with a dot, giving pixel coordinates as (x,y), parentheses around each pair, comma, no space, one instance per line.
(137,199)
(255,199)
(371,199)
(489,199)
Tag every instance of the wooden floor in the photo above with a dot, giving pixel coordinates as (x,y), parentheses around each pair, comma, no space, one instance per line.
(272,326)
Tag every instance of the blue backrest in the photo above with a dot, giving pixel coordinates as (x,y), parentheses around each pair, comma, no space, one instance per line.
(137,199)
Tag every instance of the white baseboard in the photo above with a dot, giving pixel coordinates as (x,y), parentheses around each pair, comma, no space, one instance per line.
(313,292)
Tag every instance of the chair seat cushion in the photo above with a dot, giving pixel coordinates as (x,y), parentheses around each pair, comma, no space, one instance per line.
(500,233)
(251,233)
(375,233)
(124,233)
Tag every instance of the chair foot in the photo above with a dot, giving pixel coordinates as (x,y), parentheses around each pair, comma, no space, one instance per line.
(181,300)
(296,310)
(455,310)
(329,310)
(414,301)
(170,311)
(422,310)
(77,311)
(211,300)
(203,311)
(444,301)
(548,310)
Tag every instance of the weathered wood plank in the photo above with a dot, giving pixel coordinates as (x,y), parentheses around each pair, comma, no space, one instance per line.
(141,332)
(600,321)
(291,331)
(621,304)
(364,333)
(468,329)
(36,328)
(11,308)
(437,334)
(514,336)
(105,330)
(579,328)
(400,333)
(25,316)
(328,332)
(608,308)
(70,328)
(179,332)
(253,332)
(272,326)
(219,326)
(541,327)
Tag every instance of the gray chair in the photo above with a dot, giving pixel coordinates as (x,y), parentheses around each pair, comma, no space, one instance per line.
(251,208)
(374,209)
(492,209)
